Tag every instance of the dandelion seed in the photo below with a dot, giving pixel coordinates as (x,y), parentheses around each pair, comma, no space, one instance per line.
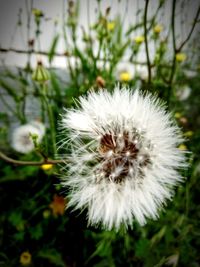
(135,161)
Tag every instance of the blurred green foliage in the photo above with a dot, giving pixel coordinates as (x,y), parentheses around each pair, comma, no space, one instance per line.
(32,202)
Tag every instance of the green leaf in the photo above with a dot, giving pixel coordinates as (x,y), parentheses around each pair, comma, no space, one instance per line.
(19,236)
(36,232)
(9,89)
(158,236)
(15,218)
(142,247)
(56,86)
(53,256)
(53,47)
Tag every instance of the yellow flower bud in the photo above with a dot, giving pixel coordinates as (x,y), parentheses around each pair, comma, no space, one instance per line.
(180,57)
(139,39)
(46,167)
(177,115)
(46,214)
(40,74)
(37,12)
(110,26)
(158,28)
(188,133)
(125,76)
(182,147)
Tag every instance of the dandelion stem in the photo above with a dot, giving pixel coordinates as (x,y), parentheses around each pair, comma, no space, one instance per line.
(28,163)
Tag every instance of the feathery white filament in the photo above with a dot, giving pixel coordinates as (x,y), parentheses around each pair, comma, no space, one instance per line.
(124,161)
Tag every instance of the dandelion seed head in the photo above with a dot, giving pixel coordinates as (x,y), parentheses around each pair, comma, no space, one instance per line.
(21,137)
(135,160)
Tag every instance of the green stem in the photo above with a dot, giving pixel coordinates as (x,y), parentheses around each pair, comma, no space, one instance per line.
(50,117)
(71,70)
(43,120)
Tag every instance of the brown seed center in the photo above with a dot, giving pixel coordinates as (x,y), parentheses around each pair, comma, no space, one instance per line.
(118,154)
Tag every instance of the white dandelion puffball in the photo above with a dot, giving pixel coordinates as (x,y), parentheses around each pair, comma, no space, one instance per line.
(183,93)
(21,136)
(124,159)
(40,126)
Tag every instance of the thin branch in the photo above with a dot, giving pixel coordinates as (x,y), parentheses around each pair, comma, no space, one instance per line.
(146,42)
(28,163)
(4,50)
(191,31)
(21,51)
(173,68)
(152,20)
(173,26)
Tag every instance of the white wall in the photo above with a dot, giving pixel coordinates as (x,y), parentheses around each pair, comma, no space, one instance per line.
(16,37)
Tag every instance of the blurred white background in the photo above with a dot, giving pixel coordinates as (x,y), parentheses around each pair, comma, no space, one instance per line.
(14,36)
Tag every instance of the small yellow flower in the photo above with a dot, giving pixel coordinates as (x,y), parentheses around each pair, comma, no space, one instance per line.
(25,258)
(182,147)
(188,133)
(46,214)
(158,28)
(125,76)
(37,12)
(177,115)
(46,167)
(110,25)
(58,187)
(139,39)
(180,57)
